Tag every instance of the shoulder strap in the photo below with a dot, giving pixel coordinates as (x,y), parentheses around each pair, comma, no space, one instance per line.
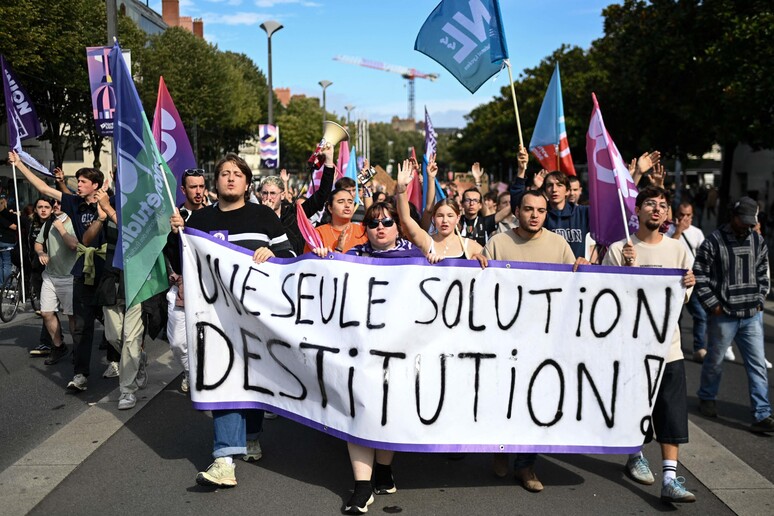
(46,230)
(690,247)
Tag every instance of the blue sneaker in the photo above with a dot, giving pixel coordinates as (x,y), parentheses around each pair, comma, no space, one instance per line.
(638,470)
(674,492)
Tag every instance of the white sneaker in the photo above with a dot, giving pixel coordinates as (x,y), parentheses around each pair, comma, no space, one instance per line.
(126,401)
(111,371)
(254,452)
(78,383)
(729,356)
(768,364)
(219,474)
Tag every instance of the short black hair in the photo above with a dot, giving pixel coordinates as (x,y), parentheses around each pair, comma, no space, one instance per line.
(651,192)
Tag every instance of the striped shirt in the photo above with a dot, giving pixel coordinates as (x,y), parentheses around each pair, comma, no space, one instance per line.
(252,226)
(732,273)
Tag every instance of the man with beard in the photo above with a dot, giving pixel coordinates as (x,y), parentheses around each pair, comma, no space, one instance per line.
(254,227)
(650,248)
(193,188)
(529,242)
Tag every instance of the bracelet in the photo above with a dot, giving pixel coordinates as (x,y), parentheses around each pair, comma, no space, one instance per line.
(338,249)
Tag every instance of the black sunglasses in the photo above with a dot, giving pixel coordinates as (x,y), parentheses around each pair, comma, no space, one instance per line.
(194,172)
(374,223)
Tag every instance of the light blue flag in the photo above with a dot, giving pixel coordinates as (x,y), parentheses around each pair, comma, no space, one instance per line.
(352,169)
(467,38)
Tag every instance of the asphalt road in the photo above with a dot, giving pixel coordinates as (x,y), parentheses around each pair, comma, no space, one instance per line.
(76,454)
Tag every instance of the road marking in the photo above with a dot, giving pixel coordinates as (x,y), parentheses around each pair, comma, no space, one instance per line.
(28,481)
(733,481)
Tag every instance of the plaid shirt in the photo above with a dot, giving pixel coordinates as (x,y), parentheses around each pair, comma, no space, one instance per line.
(732,273)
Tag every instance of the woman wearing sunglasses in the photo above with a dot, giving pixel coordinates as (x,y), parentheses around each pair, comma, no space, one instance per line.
(446,242)
(384,240)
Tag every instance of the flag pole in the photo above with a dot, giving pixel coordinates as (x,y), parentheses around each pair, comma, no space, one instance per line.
(21,243)
(623,216)
(515,104)
(171,199)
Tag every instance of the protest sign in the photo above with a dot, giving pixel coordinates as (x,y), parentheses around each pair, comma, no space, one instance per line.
(401,355)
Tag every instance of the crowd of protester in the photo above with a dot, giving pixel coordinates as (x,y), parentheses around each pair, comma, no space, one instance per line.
(71,238)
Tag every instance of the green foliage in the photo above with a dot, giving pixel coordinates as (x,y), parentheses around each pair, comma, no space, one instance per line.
(300,131)
(668,74)
(45,43)
(381,133)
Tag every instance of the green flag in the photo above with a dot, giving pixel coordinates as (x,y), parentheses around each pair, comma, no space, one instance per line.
(143,202)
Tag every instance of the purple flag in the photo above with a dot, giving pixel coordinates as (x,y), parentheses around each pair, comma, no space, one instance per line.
(431,143)
(608,178)
(171,138)
(430,136)
(23,121)
(103,95)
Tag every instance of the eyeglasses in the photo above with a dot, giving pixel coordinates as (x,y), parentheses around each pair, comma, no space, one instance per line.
(270,194)
(194,172)
(468,200)
(374,223)
(653,205)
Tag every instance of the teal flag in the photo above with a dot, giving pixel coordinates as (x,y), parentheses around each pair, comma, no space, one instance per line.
(143,203)
(467,38)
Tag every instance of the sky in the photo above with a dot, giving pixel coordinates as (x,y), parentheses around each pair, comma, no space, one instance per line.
(383,30)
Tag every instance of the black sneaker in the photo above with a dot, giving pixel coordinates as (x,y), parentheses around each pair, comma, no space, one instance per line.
(361,498)
(57,354)
(384,483)
(40,351)
(763,426)
(708,408)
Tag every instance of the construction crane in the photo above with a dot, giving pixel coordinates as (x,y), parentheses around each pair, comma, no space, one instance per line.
(407,73)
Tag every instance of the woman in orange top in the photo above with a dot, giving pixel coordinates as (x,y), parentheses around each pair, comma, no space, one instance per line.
(341,234)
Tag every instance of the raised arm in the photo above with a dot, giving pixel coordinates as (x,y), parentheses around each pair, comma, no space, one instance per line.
(317,201)
(643,164)
(432,173)
(365,192)
(414,233)
(60,181)
(518,186)
(40,185)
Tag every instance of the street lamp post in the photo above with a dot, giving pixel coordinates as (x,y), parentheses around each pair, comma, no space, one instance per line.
(324,85)
(349,108)
(270,27)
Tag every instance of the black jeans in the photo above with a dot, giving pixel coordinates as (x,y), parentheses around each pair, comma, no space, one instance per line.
(84,311)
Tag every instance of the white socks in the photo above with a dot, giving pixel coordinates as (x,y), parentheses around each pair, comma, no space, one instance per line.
(669,468)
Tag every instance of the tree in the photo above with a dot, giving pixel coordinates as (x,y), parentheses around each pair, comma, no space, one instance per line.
(45,42)
(300,132)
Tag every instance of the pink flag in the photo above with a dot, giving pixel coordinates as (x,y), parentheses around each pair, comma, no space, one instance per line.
(171,138)
(414,190)
(608,178)
(343,161)
(311,236)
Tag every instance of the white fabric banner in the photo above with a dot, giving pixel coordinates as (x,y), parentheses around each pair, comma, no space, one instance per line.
(403,355)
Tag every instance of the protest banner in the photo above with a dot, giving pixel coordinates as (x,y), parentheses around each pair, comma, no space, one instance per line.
(401,355)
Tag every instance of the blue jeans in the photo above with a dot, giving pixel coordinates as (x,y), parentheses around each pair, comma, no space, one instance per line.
(233,428)
(748,334)
(5,260)
(699,322)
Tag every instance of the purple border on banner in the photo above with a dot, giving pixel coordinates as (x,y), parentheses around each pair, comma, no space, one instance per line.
(604,269)
(426,448)
(432,448)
